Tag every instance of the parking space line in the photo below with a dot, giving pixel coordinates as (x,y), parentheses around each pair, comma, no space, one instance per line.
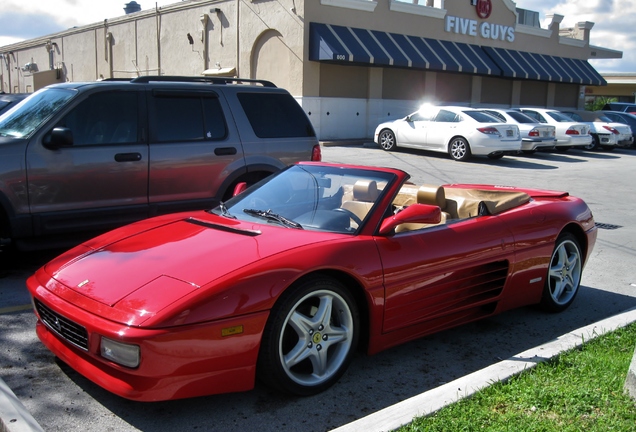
(15,309)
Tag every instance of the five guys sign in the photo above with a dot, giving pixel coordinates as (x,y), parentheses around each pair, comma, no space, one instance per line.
(484,29)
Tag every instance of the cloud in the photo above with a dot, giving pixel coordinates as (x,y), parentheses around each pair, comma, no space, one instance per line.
(613,26)
(28,25)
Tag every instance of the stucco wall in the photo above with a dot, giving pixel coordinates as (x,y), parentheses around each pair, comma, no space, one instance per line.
(269,39)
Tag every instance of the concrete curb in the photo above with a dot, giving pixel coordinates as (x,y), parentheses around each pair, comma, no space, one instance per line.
(346,142)
(13,415)
(426,403)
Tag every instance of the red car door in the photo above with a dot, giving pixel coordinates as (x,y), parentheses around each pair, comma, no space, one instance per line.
(445,274)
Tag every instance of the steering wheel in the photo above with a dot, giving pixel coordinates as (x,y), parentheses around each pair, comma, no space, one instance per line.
(349,213)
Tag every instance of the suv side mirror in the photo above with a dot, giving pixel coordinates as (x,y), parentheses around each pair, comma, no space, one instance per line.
(59,137)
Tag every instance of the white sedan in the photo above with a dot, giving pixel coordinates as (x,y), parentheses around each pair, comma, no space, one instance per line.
(568,132)
(606,134)
(534,135)
(458,131)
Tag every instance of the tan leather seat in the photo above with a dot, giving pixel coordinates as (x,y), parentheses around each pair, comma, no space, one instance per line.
(433,195)
(365,192)
(430,195)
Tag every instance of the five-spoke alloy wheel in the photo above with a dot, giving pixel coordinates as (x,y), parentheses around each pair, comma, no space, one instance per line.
(309,338)
(564,274)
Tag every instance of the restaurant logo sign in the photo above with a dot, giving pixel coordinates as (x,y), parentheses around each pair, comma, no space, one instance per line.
(484,29)
(483,8)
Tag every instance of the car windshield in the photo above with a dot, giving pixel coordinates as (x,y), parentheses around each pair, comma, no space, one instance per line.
(561,118)
(317,198)
(26,117)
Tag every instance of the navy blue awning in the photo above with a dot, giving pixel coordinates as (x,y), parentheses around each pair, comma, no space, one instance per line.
(332,43)
(543,67)
(339,44)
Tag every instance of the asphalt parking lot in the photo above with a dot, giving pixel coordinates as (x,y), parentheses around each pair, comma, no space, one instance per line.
(61,400)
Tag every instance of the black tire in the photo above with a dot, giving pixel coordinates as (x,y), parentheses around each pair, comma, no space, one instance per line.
(459,149)
(387,140)
(564,274)
(594,144)
(310,337)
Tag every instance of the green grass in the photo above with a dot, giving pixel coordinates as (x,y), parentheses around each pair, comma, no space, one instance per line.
(580,390)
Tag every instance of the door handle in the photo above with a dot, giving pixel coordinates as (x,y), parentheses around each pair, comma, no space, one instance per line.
(128,157)
(225,151)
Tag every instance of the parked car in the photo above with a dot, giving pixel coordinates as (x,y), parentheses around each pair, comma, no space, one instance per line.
(620,106)
(285,280)
(625,118)
(81,158)
(534,136)
(9,100)
(569,133)
(606,134)
(459,131)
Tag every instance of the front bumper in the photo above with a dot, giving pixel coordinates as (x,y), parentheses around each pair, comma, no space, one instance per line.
(176,362)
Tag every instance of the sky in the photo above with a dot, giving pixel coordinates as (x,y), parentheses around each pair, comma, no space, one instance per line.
(614,20)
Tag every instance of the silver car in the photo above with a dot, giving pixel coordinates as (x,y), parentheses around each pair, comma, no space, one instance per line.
(534,135)
(569,133)
(606,133)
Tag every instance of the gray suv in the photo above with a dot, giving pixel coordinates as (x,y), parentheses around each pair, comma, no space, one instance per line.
(82,158)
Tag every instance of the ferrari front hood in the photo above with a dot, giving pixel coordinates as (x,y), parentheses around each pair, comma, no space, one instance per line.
(150,269)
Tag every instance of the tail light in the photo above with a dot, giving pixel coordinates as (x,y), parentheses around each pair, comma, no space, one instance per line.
(612,130)
(489,131)
(316,153)
(572,132)
(533,133)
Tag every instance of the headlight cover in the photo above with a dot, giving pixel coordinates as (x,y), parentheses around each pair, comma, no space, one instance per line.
(124,354)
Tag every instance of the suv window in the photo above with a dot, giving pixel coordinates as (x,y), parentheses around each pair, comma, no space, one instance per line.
(104,118)
(193,117)
(36,110)
(275,115)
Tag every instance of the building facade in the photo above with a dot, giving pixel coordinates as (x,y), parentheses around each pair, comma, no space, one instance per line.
(351,64)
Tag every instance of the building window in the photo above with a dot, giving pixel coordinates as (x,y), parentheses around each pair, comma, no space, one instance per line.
(363,5)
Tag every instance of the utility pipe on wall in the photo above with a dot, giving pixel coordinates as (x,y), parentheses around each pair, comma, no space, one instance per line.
(205,18)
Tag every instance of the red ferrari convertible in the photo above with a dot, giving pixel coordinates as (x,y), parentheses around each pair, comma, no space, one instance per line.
(286,279)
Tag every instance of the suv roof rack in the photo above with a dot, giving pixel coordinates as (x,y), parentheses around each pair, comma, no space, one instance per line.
(212,80)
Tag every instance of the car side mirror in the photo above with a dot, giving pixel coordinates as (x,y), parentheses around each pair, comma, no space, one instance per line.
(59,137)
(415,213)
(239,188)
